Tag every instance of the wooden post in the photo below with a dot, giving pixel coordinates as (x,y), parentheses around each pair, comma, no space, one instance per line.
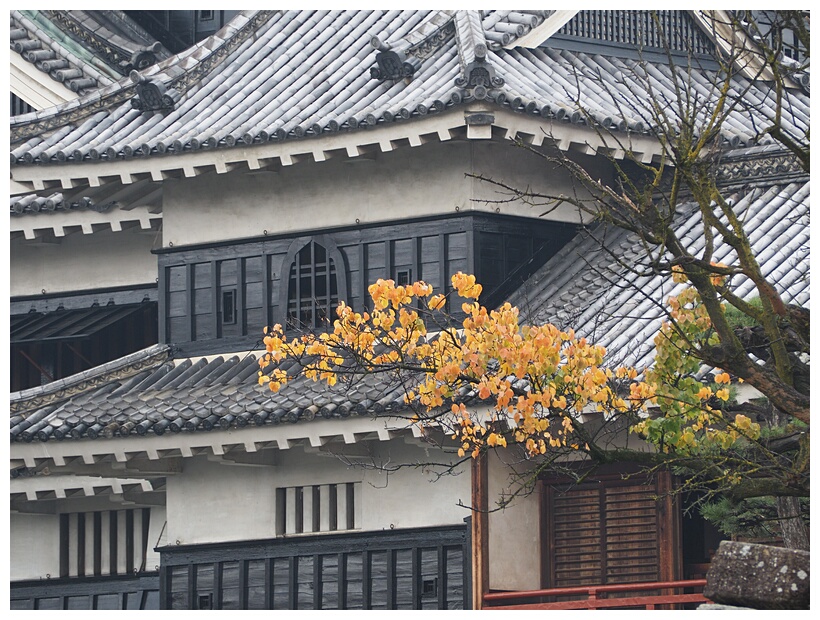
(669,526)
(480,533)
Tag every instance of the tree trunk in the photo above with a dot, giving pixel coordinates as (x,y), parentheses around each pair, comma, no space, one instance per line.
(794,530)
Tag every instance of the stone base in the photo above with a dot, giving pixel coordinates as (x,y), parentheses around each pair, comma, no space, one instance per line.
(758,576)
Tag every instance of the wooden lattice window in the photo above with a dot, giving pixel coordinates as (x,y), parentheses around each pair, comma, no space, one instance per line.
(317,508)
(106,542)
(313,290)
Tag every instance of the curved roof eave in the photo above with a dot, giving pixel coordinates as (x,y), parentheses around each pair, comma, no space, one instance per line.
(452,124)
(296,85)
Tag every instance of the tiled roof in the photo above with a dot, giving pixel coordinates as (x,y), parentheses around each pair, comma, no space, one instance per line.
(586,286)
(293,75)
(150,393)
(582,287)
(84,50)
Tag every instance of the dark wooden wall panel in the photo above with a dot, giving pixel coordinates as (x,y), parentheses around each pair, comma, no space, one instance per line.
(490,246)
(377,570)
(227,272)
(254,295)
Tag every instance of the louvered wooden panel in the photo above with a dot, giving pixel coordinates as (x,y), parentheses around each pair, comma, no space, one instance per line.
(602,532)
(576,532)
(631,534)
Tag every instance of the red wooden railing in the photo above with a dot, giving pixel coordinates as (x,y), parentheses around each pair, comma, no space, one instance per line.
(596,596)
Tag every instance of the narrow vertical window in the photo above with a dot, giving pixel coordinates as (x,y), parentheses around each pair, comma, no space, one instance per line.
(229,307)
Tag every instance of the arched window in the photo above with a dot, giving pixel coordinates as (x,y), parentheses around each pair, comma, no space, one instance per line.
(315,284)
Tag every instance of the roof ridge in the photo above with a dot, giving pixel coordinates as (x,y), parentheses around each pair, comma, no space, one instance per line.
(472,42)
(62,389)
(111,51)
(121,91)
(478,74)
(429,29)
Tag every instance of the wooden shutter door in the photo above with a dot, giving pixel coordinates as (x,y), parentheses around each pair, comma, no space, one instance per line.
(631,533)
(574,537)
(607,531)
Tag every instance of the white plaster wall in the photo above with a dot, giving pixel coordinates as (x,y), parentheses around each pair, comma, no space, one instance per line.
(410,497)
(34,549)
(518,168)
(81,262)
(309,195)
(210,502)
(157,536)
(515,532)
(404,183)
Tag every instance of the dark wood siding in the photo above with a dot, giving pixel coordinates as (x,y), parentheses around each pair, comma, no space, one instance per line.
(501,251)
(140,591)
(401,569)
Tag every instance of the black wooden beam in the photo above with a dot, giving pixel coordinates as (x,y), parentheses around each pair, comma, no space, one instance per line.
(189,289)
(217,585)
(191,598)
(113,541)
(363,284)
(243,584)
(367,558)
(317,581)
(293,582)
(442,577)
(269,583)
(146,528)
(97,542)
(391,579)
(80,544)
(342,587)
(266,291)
(241,314)
(416,569)
(64,535)
(216,300)
(333,507)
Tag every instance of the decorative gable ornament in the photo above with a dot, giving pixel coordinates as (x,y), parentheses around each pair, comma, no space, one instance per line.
(479,78)
(391,65)
(152,95)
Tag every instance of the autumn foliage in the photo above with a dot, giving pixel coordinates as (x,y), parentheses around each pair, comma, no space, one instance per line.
(493,382)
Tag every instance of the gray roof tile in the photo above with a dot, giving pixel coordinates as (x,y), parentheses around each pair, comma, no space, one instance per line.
(286,75)
(620,310)
(150,393)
